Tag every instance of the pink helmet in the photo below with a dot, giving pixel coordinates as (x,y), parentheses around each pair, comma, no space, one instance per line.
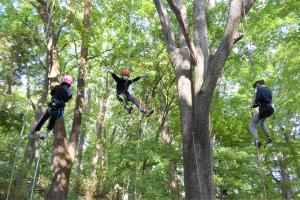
(68,79)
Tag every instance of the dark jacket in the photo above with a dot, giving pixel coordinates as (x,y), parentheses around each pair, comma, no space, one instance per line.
(60,95)
(122,85)
(263,100)
(263,96)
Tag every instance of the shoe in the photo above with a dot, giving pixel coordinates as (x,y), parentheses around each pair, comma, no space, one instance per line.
(129,109)
(31,135)
(149,112)
(258,143)
(269,140)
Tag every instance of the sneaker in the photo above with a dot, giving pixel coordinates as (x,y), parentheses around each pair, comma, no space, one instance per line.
(129,109)
(31,135)
(269,140)
(149,112)
(258,143)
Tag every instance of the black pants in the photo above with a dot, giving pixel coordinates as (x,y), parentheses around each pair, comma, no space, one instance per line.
(127,97)
(53,114)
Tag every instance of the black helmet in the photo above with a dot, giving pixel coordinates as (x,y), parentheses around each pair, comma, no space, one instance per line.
(261,82)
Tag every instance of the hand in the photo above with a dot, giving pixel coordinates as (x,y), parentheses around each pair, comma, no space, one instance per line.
(250,107)
(143,75)
(110,71)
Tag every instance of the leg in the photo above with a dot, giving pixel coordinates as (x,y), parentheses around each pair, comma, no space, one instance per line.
(264,129)
(41,122)
(252,126)
(253,130)
(125,100)
(55,114)
(137,102)
(51,123)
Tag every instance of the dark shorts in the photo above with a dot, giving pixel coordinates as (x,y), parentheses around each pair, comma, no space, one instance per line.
(265,112)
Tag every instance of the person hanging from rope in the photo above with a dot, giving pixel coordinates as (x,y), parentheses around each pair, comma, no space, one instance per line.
(124,96)
(60,94)
(263,100)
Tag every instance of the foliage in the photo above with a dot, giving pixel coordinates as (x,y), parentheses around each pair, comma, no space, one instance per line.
(125,34)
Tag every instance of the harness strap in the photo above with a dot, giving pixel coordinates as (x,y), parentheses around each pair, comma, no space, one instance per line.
(54,103)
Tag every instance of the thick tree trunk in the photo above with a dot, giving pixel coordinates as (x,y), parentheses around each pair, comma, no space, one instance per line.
(61,164)
(195,95)
(61,173)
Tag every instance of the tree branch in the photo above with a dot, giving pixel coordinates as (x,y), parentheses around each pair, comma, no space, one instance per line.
(180,13)
(101,53)
(238,9)
(166,25)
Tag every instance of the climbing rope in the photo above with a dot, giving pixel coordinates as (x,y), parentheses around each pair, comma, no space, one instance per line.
(261,177)
(197,165)
(37,166)
(261,174)
(141,117)
(130,29)
(37,153)
(17,155)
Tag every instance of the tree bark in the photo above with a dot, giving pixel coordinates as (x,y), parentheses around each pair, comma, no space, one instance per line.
(100,124)
(195,95)
(285,184)
(61,173)
(80,151)
(82,135)
(173,180)
(286,188)
(61,163)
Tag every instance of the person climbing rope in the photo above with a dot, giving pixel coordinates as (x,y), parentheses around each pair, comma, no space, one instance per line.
(124,96)
(60,94)
(263,100)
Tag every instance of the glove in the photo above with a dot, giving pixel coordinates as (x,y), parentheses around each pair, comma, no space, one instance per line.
(250,107)
(110,71)
(143,75)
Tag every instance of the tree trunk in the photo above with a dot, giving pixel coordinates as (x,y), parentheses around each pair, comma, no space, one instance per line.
(125,195)
(80,151)
(287,191)
(61,173)
(29,153)
(61,163)
(100,124)
(173,180)
(195,95)
(82,135)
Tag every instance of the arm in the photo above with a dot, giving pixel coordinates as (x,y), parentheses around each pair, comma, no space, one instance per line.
(136,79)
(53,90)
(257,99)
(69,95)
(115,77)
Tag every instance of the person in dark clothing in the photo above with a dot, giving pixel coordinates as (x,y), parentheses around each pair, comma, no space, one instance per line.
(60,94)
(124,96)
(263,100)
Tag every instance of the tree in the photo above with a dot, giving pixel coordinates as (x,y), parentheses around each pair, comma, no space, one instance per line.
(197,74)
(64,153)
